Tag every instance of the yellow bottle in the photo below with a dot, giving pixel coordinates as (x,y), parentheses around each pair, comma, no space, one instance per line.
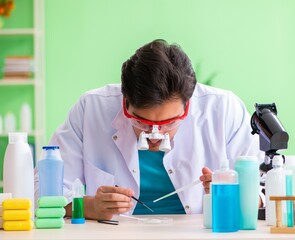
(17,203)
(18,225)
(16,215)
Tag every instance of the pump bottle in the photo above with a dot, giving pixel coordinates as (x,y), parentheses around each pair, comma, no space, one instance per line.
(225,199)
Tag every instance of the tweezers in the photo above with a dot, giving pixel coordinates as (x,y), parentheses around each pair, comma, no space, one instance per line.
(112,222)
(142,203)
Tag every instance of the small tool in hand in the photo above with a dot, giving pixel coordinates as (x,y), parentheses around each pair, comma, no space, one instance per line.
(142,203)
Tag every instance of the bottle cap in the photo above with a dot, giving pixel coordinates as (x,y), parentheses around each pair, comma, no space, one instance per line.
(18,137)
(224,163)
(50,152)
(78,189)
(50,147)
(277,160)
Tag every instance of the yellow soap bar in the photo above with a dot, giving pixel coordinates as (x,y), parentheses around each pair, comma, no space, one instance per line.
(18,225)
(16,214)
(17,203)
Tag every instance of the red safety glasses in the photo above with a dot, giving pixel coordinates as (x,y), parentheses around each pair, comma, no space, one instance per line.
(146,125)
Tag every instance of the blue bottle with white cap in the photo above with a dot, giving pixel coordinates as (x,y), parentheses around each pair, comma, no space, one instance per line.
(50,172)
(225,199)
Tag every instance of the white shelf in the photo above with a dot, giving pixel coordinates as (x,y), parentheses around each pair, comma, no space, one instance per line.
(37,81)
(12,32)
(17,82)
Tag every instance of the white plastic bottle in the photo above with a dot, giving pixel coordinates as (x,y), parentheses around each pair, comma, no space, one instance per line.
(274,186)
(18,170)
(26,118)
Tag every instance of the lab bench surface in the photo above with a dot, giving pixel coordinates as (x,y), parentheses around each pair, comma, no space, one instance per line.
(182,227)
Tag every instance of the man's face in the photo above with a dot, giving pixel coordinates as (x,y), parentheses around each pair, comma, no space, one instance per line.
(166,111)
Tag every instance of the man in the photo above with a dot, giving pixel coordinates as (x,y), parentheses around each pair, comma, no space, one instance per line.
(158,106)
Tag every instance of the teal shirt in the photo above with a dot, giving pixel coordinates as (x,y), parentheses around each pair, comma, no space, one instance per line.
(154,183)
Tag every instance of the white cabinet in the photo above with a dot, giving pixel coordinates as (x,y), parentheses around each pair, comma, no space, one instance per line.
(14,92)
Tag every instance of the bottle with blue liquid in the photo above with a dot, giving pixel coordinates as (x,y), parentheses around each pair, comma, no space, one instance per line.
(51,171)
(225,199)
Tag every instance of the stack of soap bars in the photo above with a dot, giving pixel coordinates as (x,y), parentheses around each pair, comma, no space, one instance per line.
(50,212)
(17,214)
(3,196)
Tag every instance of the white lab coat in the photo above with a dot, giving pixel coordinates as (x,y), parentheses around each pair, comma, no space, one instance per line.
(98,144)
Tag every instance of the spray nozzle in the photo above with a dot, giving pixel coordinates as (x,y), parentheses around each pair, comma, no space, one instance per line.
(78,189)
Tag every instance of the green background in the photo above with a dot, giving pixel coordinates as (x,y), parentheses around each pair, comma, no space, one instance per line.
(247,44)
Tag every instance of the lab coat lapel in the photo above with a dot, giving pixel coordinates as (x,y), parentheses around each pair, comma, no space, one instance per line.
(126,141)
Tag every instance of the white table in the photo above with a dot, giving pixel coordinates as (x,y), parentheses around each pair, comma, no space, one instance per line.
(183,227)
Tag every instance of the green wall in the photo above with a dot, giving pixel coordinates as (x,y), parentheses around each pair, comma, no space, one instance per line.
(249,44)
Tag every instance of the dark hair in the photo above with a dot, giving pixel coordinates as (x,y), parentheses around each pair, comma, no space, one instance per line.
(156,73)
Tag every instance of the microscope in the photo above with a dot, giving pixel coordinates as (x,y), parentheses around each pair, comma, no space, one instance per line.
(272,137)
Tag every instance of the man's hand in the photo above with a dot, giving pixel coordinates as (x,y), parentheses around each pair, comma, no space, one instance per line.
(206,178)
(108,200)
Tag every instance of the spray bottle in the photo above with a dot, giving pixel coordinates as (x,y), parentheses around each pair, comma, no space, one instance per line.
(225,199)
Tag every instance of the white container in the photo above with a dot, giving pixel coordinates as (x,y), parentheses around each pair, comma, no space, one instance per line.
(18,170)
(26,118)
(207,210)
(247,168)
(274,186)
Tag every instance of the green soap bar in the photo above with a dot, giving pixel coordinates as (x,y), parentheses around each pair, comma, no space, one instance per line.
(49,222)
(52,201)
(50,212)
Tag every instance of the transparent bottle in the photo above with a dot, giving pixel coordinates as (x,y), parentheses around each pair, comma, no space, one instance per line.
(18,178)
(225,199)
(274,186)
(50,172)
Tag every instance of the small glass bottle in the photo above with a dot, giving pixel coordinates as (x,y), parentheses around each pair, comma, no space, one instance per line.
(225,199)
(50,172)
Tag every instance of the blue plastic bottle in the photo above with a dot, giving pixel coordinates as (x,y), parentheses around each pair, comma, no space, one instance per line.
(225,200)
(51,171)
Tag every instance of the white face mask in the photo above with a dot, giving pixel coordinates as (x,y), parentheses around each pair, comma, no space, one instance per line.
(155,134)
